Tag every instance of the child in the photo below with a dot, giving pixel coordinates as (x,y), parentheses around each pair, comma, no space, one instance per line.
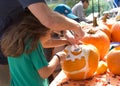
(22,44)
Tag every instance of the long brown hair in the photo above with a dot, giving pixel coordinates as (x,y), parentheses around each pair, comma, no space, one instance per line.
(15,38)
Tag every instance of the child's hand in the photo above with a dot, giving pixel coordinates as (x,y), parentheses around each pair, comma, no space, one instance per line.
(62,55)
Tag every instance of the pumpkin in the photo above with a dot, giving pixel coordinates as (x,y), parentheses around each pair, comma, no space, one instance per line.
(113,60)
(108,22)
(115,32)
(97,38)
(102,26)
(102,68)
(82,61)
(105,29)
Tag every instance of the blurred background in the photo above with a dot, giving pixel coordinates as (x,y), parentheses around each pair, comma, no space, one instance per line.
(99,6)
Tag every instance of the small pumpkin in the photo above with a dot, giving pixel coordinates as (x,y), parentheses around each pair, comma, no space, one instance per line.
(82,61)
(102,68)
(113,60)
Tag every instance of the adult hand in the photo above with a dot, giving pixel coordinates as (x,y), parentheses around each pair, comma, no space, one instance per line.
(74,37)
(78,33)
(70,36)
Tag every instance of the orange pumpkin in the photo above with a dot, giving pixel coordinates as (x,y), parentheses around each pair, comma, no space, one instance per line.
(102,68)
(115,32)
(99,39)
(113,60)
(108,22)
(102,26)
(105,29)
(81,62)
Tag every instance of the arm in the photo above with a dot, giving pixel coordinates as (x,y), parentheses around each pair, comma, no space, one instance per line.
(54,20)
(48,42)
(45,72)
(80,13)
(54,43)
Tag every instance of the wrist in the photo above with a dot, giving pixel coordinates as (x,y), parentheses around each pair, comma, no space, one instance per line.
(58,57)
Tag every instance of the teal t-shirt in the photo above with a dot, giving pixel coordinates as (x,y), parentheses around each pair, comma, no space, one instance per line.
(24,69)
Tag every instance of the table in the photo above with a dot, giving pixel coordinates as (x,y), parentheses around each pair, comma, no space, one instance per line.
(107,79)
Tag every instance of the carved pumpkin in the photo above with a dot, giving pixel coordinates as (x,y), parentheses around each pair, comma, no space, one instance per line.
(81,62)
(113,60)
(115,32)
(99,39)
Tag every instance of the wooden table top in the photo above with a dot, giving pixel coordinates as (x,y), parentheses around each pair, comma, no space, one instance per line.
(107,79)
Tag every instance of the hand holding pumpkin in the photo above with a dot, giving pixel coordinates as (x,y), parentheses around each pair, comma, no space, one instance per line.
(62,55)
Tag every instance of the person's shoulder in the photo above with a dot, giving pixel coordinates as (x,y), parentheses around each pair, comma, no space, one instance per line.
(26,3)
(77,6)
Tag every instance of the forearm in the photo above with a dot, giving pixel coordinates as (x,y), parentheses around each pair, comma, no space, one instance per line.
(55,43)
(64,23)
(52,19)
(45,72)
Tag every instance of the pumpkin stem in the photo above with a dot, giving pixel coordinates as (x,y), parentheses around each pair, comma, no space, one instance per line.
(91,31)
(95,22)
(104,19)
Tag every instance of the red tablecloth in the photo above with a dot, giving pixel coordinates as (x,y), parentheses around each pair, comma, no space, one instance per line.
(107,79)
